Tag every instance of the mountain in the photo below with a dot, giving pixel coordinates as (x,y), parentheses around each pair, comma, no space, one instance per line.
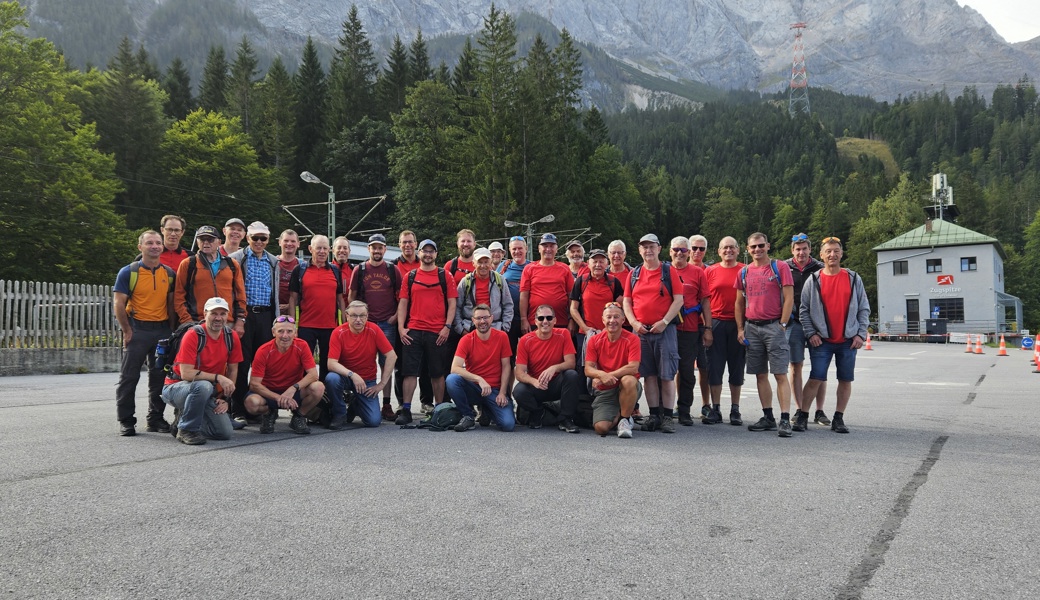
(882,48)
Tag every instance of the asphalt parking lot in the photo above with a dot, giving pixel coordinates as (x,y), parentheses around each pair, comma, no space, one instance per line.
(932,495)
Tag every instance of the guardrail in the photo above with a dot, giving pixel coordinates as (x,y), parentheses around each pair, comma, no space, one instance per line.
(37,314)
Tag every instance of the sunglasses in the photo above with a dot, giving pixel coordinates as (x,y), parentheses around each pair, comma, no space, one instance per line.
(259,238)
(801,237)
(828,240)
(205,239)
(517,238)
(680,250)
(699,248)
(612,305)
(545,317)
(756,246)
(284,319)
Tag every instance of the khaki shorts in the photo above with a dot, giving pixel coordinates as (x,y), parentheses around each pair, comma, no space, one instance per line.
(606,405)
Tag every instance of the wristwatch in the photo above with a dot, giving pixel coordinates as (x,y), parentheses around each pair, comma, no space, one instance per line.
(297,386)
(784,325)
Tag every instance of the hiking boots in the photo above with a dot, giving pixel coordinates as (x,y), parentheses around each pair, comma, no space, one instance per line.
(651,422)
(126,429)
(404,417)
(734,417)
(821,418)
(191,438)
(388,412)
(714,417)
(267,422)
(801,421)
(566,424)
(298,423)
(685,419)
(158,426)
(465,424)
(785,428)
(667,424)
(838,425)
(338,423)
(763,424)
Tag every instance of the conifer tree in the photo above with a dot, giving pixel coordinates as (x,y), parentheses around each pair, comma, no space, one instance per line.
(352,76)
(177,84)
(394,81)
(241,90)
(418,60)
(212,92)
(275,122)
(311,92)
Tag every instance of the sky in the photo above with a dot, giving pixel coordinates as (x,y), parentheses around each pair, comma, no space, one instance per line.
(1014,20)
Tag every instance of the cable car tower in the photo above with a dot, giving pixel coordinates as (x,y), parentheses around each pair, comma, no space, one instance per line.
(798,91)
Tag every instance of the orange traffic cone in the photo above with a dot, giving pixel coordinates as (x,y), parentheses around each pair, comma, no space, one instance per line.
(867,345)
(1036,359)
(967,346)
(978,344)
(1003,347)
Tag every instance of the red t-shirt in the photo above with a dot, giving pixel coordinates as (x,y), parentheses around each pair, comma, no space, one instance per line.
(279,370)
(583,270)
(695,288)
(764,297)
(596,294)
(539,354)
(548,284)
(214,358)
(484,357)
(836,291)
(720,287)
(379,292)
(650,298)
(482,290)
(461,270)
(318,291)
(359,351)
(345,273)
(284,276)
(426,304)
(611,356)
(404,267)
(173,258)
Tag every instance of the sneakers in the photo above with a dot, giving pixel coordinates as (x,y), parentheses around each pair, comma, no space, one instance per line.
(388,412)
(465,424)
(650,423)
(821,418)
(838,425)
(685,419)
(734,417)
(176,421)
(160,426)
(667,424)
(705,411)
(267,422)
(624,428)
(427,409)
(534,420)
(404,416)
(239,423)
(338,423)
(763,424)
(191,438)
(298,423)
(566,424)
(127,429)
(785,428)
(801,421)
(714,417)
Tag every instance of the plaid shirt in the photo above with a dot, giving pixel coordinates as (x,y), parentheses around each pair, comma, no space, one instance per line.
(257,280)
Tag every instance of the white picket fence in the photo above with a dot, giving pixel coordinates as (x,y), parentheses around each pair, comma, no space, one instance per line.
(57,315)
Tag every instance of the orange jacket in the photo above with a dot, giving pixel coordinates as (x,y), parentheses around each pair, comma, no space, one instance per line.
(228,284)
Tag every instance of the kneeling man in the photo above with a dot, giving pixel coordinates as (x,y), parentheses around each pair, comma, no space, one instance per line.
(354,351)
(284,376)
(480,366)
(612,359)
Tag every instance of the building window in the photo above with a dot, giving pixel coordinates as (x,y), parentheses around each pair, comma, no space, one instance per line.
(951,309)
(968,264)
(934,265)
(900,267)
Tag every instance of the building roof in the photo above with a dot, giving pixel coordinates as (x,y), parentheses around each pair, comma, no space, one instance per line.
(943,233)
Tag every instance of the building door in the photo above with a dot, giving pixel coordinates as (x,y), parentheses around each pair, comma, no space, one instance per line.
(913,316)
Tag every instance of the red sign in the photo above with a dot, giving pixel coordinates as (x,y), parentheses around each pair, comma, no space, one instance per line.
(944,279)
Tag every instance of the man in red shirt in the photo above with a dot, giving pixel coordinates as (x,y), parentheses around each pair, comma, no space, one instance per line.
(341,258)
(172,229)
(765,301)
(652,304)
(698,252)
(545,375)
(726,352)
(283,376)
(612,363)
(316,288)
(478,370)
(483,286)
(197,385)
(696,311)
(357,348)
(617,252)
(835,313)
(289,242)
(576,259)
(590,294)
(409,261)
(458,267)
(425,314)
(545,282)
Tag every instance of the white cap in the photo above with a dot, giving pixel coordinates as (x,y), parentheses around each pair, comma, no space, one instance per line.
(496,246)
(216,302)
(480,253)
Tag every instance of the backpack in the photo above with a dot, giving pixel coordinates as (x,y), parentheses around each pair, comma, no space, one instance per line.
(304,265)
(136,266)
(189,286)
(582,283)
(743,275)
(167,348)
(666,281)
(453,266)
(441,278)
(467,285)
(321,414)
(391,270)
(444,417)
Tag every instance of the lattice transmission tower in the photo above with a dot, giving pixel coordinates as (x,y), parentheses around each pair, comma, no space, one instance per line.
(798,91)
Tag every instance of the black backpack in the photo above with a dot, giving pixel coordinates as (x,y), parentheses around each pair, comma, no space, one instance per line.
(166,350)
(441,278)
(582,282)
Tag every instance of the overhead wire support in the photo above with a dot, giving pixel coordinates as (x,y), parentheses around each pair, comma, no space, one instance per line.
(798,90)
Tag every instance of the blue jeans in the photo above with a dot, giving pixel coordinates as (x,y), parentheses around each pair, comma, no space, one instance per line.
(844,360)
(367,407)
(465,394)
(196,401)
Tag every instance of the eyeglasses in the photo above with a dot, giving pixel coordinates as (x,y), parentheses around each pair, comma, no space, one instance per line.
(259,238)
(756,246)
(828,240)
(680,250)
(357,317)
(801,237)
(483,318)
(545,317)
(517,238)
(699,248)
(284,319)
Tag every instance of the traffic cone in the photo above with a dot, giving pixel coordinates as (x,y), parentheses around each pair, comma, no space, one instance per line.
(867,345)
(1003,347)
(1036,359)
(967,346)
(978,344)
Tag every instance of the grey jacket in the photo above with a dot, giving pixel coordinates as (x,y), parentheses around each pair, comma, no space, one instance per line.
(501,302)
(813,316)
(276,268)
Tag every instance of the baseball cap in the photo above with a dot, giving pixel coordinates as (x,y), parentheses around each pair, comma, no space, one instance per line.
(236,221)
(207,230)
(496,246)
(480,253)
(377,238)
(428,242)
(257,227)
(547,238)
(216,302)
(574,243)
(598,252)
(649,238)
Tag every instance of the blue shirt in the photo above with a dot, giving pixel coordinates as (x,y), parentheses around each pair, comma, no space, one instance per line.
(257,279)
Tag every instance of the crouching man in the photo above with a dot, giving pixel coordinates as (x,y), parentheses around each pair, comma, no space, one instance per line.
(480,366)
(284,376)
(204,372)
(354,351)
(612,361)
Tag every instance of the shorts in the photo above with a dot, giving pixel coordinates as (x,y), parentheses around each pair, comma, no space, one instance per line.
(659,356)
(273,404)
(768,349)
(424,349)
(796,339)
(606,404)
(844,360)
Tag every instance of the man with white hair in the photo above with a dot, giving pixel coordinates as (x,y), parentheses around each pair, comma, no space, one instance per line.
(616,251)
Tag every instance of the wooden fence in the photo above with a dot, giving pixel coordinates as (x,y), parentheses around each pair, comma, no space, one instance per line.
(57,315)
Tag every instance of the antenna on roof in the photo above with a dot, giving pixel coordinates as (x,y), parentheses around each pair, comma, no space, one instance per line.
(942,200)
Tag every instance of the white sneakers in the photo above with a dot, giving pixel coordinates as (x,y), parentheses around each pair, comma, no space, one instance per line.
(624,428)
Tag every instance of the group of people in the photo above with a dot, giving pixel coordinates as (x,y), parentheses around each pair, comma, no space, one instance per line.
(507,340)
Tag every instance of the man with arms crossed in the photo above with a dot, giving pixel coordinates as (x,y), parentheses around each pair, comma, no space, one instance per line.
(612,363)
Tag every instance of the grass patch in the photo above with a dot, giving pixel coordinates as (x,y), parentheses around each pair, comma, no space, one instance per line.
(850,149)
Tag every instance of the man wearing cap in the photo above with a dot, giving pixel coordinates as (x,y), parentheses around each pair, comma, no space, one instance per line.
(284,376)
(545,375)
(545,282)
(690,334)
(576,258)
(802,265)
(201,378)
(316,288)
(483,286)
(199,276)
(407,262)
(498,253)
(479,368)
(425,314)
(698,252)
(172,229)
(590,294)
(357,346)
(612,361)
(765,300)
(617,252)
(726,350)
(234,232)
(377,283)
(289,242)
(653,299)
(143,304)
(261,275)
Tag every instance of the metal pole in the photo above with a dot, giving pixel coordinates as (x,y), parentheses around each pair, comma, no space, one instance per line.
(332,214)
